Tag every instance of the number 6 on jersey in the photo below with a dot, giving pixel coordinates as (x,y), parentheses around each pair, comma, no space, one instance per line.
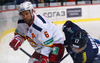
(46,34)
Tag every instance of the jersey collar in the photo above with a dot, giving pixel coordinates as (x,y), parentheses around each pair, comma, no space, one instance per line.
(32,20)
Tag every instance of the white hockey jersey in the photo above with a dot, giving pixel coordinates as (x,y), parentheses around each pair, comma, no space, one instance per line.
(41,34)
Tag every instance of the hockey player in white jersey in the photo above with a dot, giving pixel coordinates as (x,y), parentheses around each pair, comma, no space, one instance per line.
(44,36)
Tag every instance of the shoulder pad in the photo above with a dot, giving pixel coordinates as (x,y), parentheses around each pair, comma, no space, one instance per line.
(68,24)
(71,25)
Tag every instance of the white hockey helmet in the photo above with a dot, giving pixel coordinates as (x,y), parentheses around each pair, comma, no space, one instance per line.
(26,6)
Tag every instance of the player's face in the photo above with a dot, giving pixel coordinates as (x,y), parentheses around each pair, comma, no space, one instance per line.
(78,50)
(26,15)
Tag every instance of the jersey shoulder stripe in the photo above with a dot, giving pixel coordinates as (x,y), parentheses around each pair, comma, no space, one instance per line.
(21,21)
(40,17)
(37,27)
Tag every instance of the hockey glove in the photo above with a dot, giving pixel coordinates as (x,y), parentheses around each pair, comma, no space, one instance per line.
(44,59)
(16,42)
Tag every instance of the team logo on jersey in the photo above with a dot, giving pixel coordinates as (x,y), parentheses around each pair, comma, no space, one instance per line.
(30,30)
(70,30)
(55,50)
(16,31)
(48,41)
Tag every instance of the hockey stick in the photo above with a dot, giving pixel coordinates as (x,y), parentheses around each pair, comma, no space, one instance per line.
(25,52)
(31,56)
(62,58)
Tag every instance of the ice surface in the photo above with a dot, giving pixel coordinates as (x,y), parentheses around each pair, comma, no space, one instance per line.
(8,55)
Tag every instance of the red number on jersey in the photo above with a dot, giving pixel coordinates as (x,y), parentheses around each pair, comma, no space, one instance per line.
(46,34)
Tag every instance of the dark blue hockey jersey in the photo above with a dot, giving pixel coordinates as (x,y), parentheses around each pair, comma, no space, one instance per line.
(88,54)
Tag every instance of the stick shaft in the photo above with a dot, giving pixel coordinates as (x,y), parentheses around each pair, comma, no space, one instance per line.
(25,52)
(63,57)
(30,55)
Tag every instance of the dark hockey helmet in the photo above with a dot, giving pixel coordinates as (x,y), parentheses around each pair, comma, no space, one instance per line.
(79,39)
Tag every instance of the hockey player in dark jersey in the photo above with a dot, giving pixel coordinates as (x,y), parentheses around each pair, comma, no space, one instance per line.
(80,45)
